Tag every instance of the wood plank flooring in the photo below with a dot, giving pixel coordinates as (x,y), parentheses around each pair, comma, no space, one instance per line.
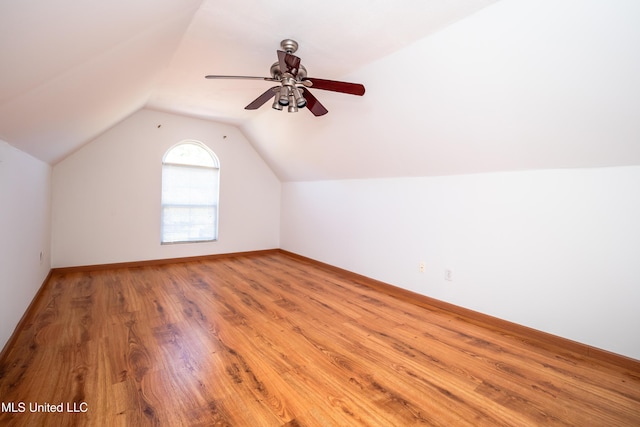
(269,340)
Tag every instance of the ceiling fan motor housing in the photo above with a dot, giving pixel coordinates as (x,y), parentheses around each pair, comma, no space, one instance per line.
(277,74)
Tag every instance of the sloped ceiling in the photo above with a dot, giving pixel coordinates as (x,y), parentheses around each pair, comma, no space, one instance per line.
(71,69)
(453,86)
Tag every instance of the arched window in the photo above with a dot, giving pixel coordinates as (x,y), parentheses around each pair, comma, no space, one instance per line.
(190,175)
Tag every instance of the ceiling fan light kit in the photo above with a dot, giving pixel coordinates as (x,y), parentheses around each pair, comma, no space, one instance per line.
(293,90)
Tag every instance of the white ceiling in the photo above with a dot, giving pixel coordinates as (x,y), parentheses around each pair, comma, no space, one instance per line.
(336,37)
(453,86)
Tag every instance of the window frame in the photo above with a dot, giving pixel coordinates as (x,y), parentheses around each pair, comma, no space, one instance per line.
(216,205)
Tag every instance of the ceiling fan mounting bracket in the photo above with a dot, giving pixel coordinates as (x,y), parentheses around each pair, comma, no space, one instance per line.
(289,46)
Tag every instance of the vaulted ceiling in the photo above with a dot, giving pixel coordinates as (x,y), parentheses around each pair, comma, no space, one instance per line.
(453,86)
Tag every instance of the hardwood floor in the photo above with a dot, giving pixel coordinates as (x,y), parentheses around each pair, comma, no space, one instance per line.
(269,340)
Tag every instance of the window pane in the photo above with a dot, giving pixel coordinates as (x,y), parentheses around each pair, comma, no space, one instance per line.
(188,223)
(190,154)
(183,185)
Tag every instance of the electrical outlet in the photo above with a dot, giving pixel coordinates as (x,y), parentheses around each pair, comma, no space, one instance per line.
(448,275)
(421,267)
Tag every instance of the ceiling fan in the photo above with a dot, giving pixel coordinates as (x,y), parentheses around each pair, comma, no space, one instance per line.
(293,88)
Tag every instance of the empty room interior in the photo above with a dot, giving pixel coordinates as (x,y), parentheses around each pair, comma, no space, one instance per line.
(361,213)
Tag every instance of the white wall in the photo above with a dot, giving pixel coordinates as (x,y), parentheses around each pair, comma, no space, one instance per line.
(106,196)
(25,230)
(555,250)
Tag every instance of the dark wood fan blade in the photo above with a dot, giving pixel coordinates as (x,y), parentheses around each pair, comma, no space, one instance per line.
(334,86)
(269,79)
(288,63)
(316,108)
(259,101)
